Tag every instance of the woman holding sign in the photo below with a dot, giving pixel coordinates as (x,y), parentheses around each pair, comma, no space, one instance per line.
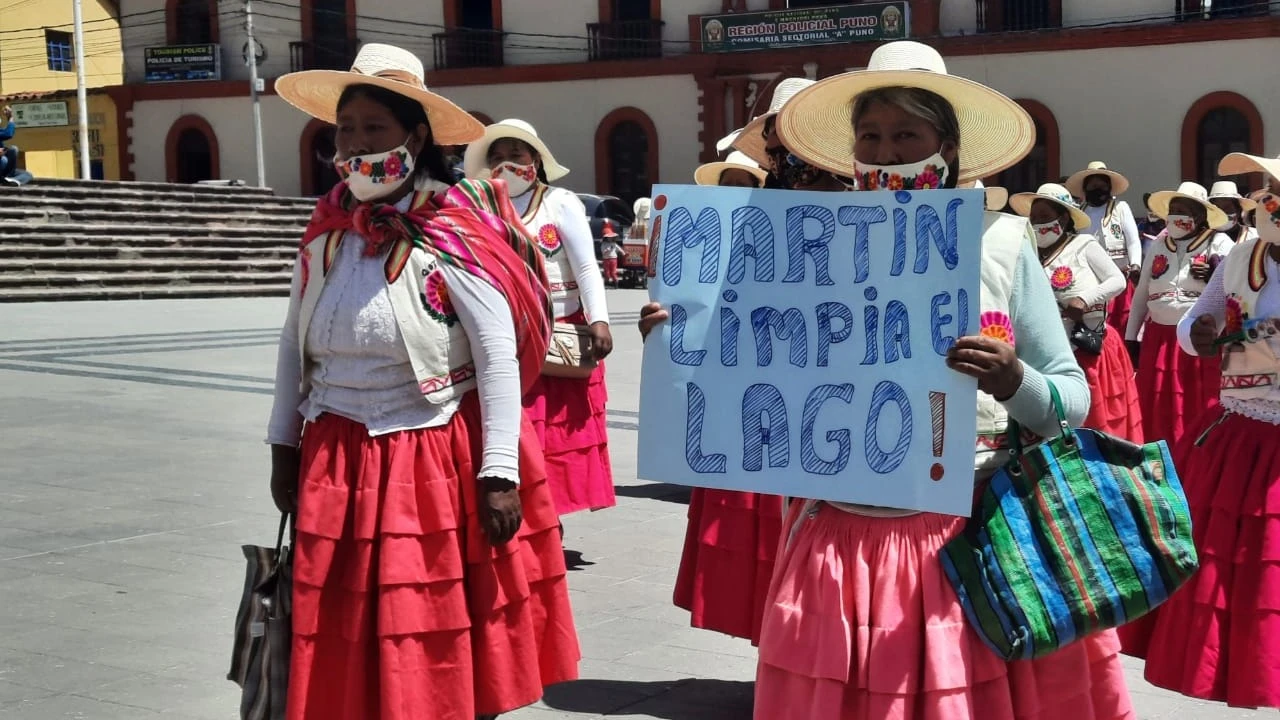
(860,621)
(567,412)
(1084,279)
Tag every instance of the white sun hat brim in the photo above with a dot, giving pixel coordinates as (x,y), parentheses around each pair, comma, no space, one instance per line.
(1119,183)
(709,174)
(995,131)
(1022,202)
(750,139)
(1245,203)
(1159,204)
(475,161)
(316,92)
(1237,163)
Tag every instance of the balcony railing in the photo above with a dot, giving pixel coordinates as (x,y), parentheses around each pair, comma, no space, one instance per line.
(326,54)
(1014,15)
(629,40)
(457,49)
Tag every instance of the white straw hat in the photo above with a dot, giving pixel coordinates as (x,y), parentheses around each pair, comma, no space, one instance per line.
(1159,202)
(709,174)
(997,197)
(1227,190)
(316,92)
(995,132)
(475,161)
(1075,183)
(750,139)
(1240,163)
(726,142)
(1056,194)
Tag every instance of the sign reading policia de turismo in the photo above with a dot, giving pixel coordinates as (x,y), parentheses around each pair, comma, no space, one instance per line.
(864,22)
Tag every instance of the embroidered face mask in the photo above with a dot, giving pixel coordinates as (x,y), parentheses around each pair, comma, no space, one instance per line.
(376,175)
(1048,233)
(1181,226)
(928,174)
(1267,218)
(519,178)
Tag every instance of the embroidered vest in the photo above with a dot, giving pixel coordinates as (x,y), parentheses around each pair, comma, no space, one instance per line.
(1249,373)
(1003,238)
(1070,277)
(543,218)
(1111,234)
(434,338)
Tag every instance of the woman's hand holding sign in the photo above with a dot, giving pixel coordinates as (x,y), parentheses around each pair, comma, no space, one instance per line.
(651,316)
(993,362)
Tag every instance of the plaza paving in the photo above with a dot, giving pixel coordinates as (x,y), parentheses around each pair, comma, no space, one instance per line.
(133,469)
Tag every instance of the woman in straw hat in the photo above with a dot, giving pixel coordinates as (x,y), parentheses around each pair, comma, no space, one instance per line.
(567,413)
(759,141)
(732,537)
(429,579)
(1084,280)
(1114,226)
(860,621)
(1217,638)
(1227,197)
(1175,387)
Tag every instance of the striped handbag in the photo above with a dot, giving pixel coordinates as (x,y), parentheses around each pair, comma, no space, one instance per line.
(1082,533)
(264,635)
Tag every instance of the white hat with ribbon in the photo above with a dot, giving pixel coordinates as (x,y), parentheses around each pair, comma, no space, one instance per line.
(1195,192)
(475,161)
(1055,194)
(709,174)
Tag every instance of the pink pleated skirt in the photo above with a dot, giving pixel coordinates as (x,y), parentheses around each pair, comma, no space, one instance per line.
(1114,406)
(1174,387)
(861,624)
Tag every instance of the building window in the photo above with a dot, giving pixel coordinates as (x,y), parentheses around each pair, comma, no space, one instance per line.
(628,30)
(61,52)
(194,22)
(626,154)
(328,36)
(1221,131)
(1016,15)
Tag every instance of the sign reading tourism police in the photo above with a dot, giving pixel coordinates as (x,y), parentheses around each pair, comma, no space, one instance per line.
(863,22)
(805,355)
(177,63)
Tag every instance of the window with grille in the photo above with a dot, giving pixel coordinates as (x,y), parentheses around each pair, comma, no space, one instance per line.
(62,57)
(1223,130)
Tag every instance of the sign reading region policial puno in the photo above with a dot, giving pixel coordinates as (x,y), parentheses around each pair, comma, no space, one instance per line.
(805,354)
(177,63)
(865,22)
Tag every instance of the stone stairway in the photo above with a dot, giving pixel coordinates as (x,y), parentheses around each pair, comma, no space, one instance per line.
(76,240)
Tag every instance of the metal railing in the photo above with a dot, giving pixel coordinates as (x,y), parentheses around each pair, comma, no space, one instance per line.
(326,54)
(457,49)
(1014,15)
(627,40)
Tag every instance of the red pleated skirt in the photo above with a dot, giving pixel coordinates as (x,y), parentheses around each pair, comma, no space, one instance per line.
(729,551)
(570,421)
(861,624)
(1118,308)
(1218,637)
(402,609)
(1115,408)
(1174,387)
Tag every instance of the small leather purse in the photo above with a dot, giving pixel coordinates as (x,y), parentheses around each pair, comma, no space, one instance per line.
(570,354)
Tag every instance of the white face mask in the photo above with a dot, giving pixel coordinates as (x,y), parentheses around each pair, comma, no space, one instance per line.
(1180,226)
(1048,233)
(1267,218)
(1232,221)
(519,178)
(928,174)
(376,175)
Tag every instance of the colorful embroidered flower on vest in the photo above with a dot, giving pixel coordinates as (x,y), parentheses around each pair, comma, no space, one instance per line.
(436,300)
(1235,315)
(549,239)
(1062,278)
(997,326)
(1159,266)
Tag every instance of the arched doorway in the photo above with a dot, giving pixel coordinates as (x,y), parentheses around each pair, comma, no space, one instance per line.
(191,151)
(626,154)
(1223,130)
(316,149)
(1041,165)
(1217,124)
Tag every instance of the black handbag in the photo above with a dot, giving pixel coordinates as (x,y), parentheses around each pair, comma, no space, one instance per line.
(264,632)
(1087,339)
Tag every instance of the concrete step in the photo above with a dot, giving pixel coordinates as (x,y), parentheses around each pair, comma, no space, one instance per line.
(108,186)
(60,294)
(162,203)
(46,266)
(111,253)
(24,215)
(194,235)
(142,279)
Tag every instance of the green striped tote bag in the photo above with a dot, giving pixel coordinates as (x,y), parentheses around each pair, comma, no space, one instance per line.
(1079,534)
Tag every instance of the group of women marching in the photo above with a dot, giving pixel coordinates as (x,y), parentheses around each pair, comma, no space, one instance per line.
(433,418)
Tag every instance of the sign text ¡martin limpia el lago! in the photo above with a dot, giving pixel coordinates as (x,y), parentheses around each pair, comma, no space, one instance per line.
(864,22)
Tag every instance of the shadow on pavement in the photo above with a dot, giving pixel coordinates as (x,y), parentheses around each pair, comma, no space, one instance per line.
(656,491)
(573,560)
(688,699)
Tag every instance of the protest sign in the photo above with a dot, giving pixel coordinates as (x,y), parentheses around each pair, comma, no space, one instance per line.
(805,354)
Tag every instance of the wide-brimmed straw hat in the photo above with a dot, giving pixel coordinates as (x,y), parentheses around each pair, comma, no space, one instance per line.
(995,132)
(1227,190)
(1237,163)
(316,92)
(475,161)
(1188,190)
(1053,193)
(1075,183)
(726,142)
(996,196)
(750,138)
(709,174)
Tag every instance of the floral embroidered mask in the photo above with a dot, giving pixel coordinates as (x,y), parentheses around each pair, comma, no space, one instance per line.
(1267,218)
(519,178)
(1047,233)
(376,175)
(928,174)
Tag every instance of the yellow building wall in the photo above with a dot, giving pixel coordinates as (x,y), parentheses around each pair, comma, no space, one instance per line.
(24,65)
(55,151)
